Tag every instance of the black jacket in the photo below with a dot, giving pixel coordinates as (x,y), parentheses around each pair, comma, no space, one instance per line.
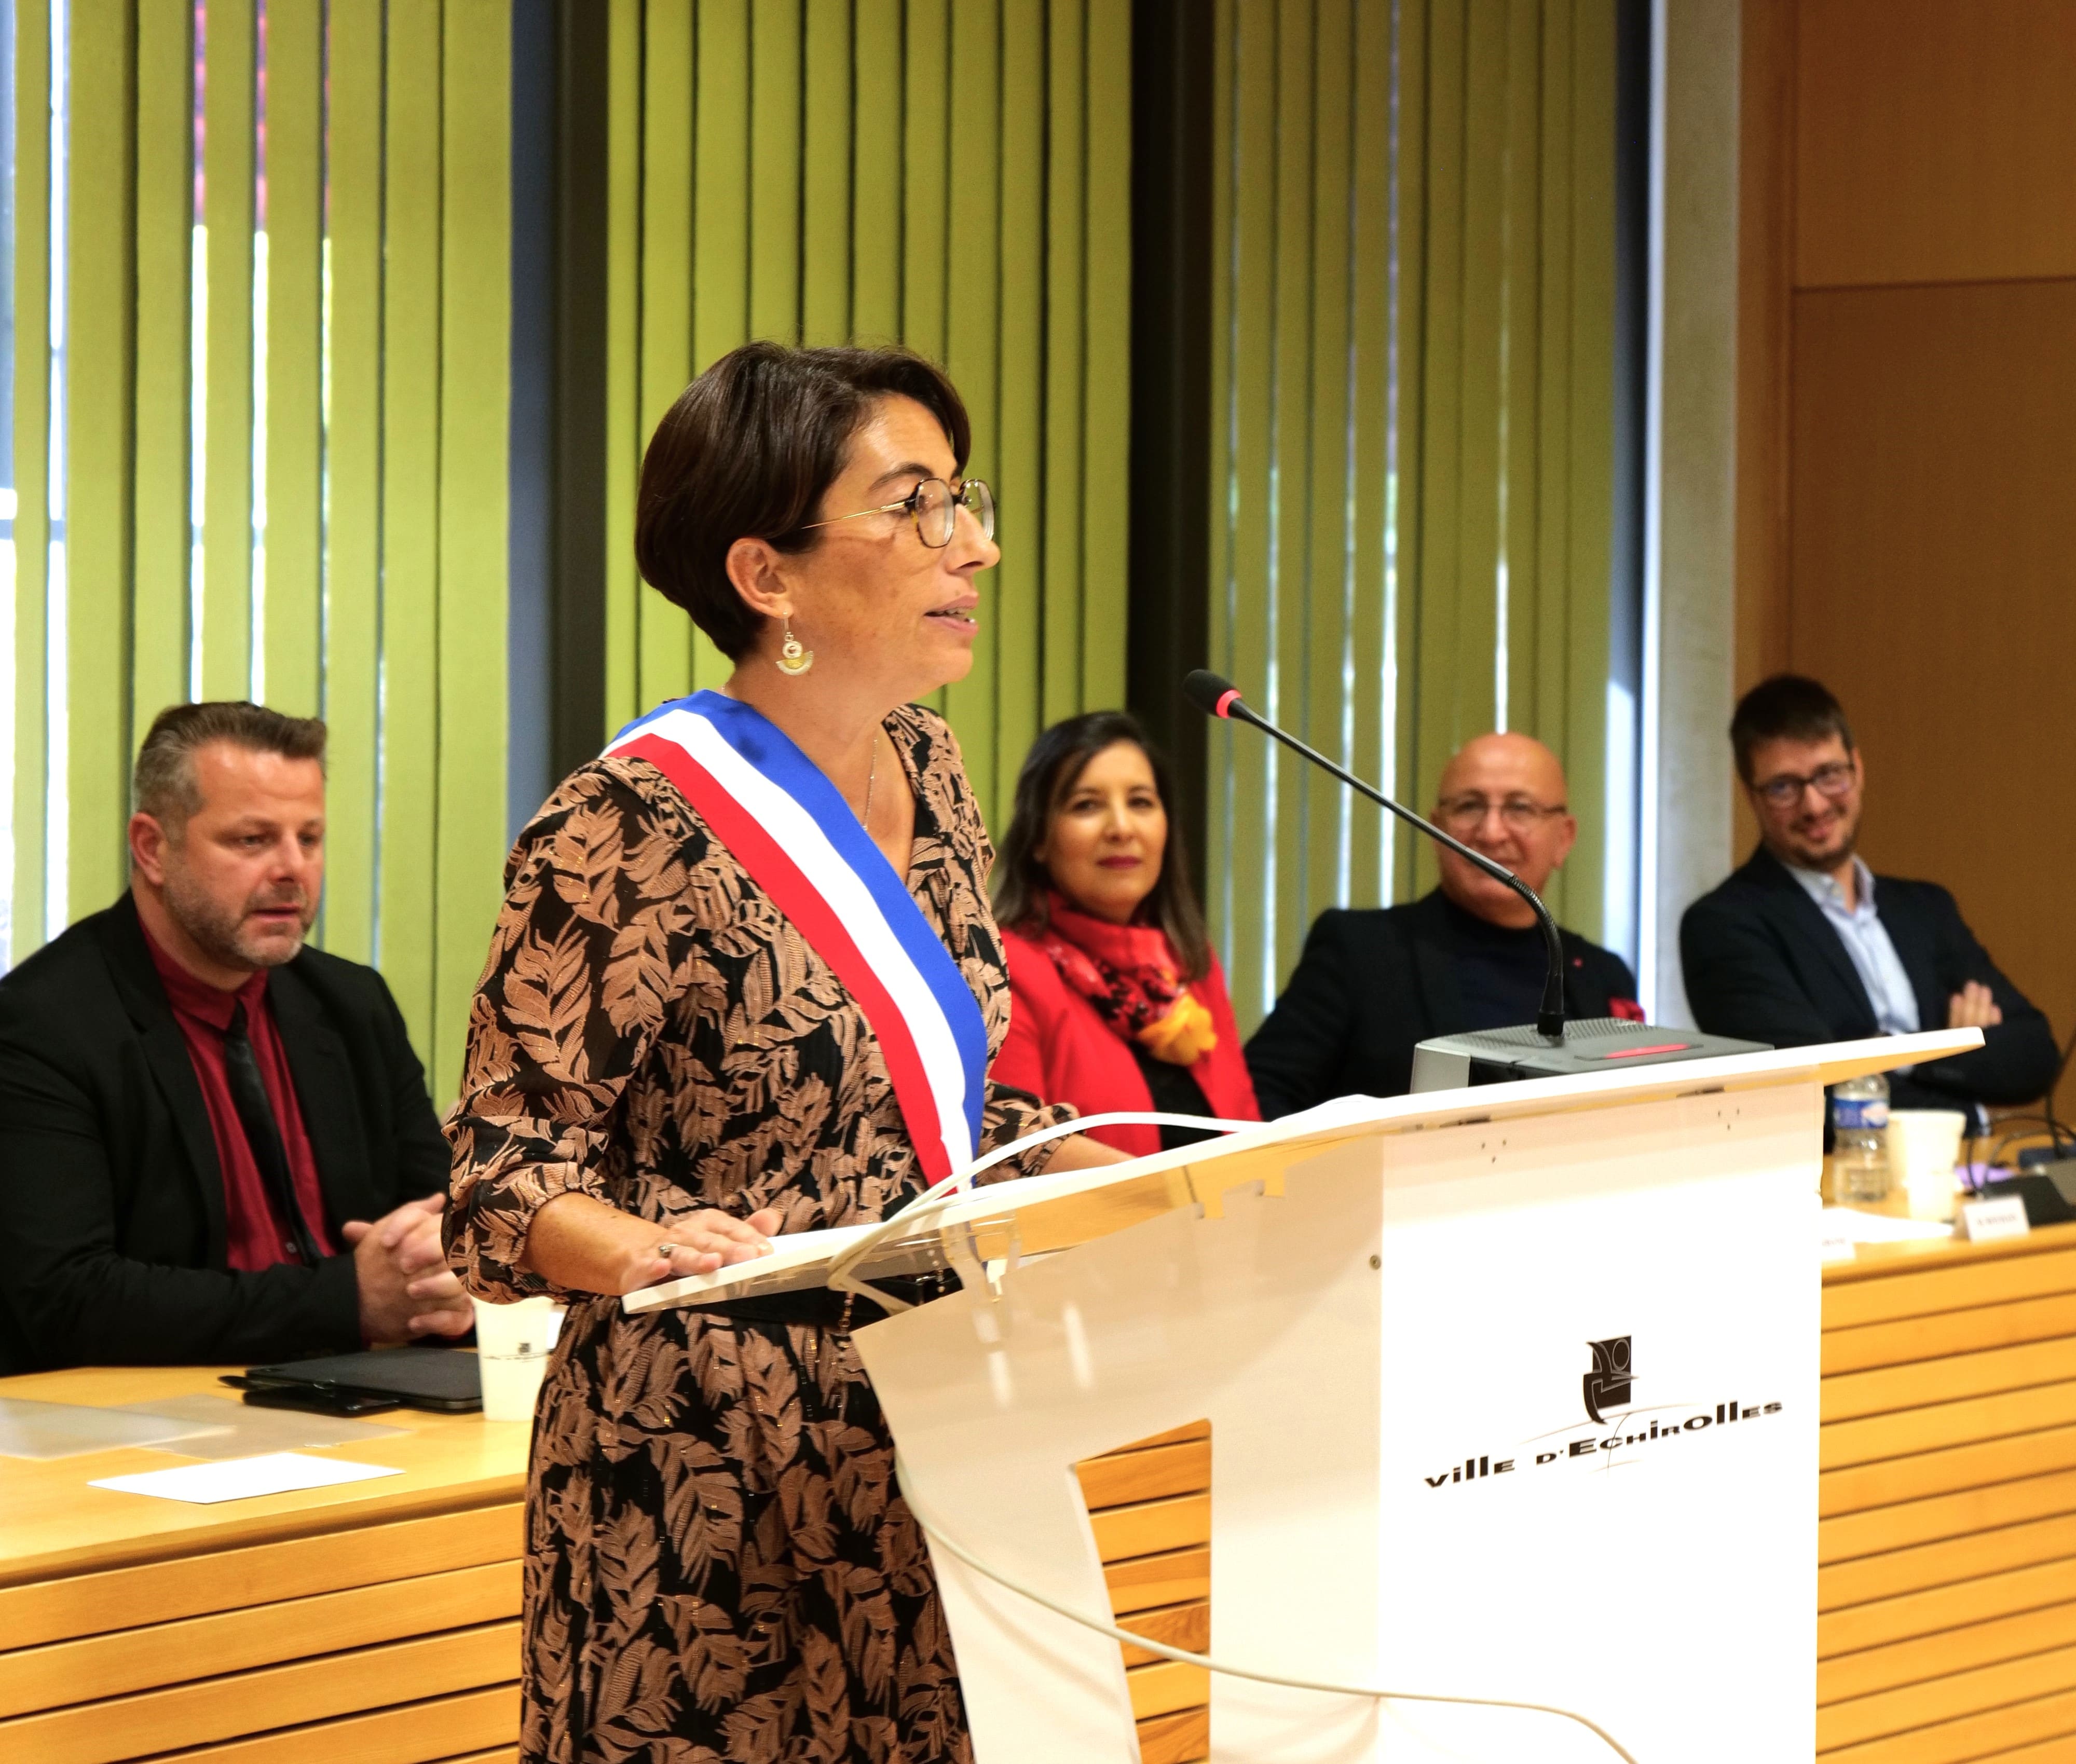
(1763,963)
(1371,983)
(111,1196)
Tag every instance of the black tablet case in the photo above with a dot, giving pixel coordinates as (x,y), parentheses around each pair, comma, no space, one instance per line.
(444,1378)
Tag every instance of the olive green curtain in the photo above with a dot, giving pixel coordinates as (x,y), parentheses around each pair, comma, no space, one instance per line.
(952,174)
(266,451)
(1414,466)
(277,424)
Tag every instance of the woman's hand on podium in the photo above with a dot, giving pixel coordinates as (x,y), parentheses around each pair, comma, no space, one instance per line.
(584,1245)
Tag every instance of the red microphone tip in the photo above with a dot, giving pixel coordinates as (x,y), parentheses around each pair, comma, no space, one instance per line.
(1227,700)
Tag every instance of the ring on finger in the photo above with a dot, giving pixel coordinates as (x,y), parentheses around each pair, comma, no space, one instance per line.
(667,1250)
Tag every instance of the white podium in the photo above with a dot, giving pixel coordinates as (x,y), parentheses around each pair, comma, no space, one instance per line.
(1512,1394)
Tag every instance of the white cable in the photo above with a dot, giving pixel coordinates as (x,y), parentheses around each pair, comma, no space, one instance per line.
(946,1193)
(939,1195)
(1126,1638)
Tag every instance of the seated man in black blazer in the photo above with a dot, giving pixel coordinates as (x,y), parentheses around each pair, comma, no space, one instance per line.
(1374,982)
(219,1148)
(1805,943)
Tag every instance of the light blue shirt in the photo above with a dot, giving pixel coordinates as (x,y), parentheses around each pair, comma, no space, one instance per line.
(1866,940)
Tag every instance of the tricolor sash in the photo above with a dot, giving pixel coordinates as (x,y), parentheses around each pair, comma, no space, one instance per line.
(789,827)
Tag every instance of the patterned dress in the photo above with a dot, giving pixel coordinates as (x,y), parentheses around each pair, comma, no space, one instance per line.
(718,1565)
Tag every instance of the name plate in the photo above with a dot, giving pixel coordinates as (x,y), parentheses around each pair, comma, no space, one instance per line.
(2000,1216)
(1838,1245)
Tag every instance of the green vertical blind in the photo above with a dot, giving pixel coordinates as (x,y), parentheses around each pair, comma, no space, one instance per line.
(1413,467)
(951,174)
(263,453)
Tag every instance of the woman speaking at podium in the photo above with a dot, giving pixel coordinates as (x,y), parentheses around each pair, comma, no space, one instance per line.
(746,980)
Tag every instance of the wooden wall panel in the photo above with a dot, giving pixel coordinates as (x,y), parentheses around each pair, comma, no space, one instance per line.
(1766,203)
(1906,329)
(1934,587)
(1934,142)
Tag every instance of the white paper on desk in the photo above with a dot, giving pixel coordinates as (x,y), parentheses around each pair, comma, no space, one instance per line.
(241,1478)
(1848,1222)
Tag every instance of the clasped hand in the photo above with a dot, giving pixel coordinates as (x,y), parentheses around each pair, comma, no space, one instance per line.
(406,1287)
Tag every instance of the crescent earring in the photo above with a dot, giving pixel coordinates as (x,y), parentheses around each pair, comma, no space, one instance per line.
(794,658)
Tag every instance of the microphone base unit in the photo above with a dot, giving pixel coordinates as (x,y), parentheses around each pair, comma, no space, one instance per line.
(2048,1191)
(1588,1044)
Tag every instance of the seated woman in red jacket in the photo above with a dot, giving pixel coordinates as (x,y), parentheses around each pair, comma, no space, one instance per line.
(1116,1001)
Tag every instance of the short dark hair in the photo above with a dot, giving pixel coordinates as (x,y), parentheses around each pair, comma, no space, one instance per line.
(1055,760)
(163,781)
(1787,707)
(748,450)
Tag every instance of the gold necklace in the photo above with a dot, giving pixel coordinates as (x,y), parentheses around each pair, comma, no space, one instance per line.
(871,778)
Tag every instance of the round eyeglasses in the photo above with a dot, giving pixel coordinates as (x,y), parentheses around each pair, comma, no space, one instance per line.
(934,506)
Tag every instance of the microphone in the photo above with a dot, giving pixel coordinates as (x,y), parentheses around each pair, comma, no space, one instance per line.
(1217,696)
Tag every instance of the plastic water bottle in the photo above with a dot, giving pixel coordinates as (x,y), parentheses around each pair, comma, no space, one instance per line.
(1859,1138)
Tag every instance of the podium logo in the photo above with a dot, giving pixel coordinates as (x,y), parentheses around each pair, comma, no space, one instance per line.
(1607,1390)
(1607,1385)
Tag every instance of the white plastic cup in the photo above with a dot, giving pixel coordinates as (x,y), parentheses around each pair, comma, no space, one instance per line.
(512,1345)
(1924,1147)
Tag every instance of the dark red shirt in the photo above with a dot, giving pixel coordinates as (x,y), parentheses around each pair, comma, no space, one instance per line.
(255,1235)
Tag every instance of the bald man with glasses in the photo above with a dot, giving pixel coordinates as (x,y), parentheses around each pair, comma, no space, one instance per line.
(1374,982)
(1805,943)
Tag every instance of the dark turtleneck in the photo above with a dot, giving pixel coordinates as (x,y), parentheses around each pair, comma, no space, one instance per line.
(1499,970)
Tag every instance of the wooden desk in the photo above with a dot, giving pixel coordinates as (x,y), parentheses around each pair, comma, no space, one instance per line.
(372,1624)
(376,1623)
(1947,1497)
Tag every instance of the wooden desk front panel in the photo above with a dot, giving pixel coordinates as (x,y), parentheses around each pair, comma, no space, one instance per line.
(1947,1497)
(1150,1507)
(381,1628)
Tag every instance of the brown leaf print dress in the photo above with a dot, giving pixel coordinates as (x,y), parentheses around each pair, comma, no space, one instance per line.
(719,1566)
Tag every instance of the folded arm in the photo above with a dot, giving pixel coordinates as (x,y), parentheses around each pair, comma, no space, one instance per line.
(2017,1059)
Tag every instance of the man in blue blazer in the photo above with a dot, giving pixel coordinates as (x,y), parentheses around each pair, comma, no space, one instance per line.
(1805,943)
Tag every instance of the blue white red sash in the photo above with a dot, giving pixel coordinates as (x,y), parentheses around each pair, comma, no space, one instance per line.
(788,826)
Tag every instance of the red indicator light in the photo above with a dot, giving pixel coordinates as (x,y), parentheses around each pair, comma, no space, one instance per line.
(1637,1053)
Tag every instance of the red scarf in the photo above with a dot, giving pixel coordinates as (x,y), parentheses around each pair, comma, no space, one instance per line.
(1130,974)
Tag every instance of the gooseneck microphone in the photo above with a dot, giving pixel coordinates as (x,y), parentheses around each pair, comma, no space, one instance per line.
(1216,695)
